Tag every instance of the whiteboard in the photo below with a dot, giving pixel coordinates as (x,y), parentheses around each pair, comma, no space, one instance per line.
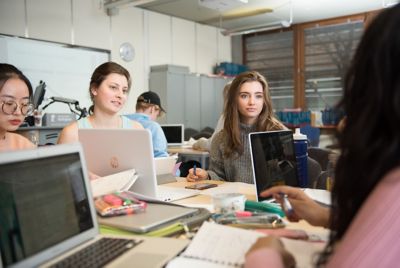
(66,70)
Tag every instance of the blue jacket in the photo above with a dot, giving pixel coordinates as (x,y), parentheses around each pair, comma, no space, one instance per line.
(157,134)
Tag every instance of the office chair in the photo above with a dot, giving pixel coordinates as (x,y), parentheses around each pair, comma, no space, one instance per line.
(202,134)
(189,133)
(314,172)
(207,129)
(320,183)
(320,155)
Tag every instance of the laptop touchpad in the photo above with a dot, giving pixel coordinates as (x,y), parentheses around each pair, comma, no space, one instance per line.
(143,260)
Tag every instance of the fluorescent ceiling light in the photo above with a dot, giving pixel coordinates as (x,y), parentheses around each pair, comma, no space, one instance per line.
(263,27)
(111,6)
(257,28)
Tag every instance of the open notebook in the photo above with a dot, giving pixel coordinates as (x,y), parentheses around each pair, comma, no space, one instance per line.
(47,216)
(109,151)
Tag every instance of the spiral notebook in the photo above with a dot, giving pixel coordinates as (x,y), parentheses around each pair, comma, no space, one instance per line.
(216,245)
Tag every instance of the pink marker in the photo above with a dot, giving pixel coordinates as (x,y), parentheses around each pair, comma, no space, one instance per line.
(242,214)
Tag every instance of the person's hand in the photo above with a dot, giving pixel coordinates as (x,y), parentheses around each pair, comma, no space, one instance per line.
(274,243)
(303,207)
(201,174)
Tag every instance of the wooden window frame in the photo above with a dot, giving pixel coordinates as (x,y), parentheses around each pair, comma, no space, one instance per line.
(299,48)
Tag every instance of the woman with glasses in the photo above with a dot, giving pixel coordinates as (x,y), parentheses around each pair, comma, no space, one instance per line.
(15,104)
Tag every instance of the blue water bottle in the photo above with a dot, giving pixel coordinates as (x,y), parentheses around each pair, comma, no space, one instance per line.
(300,147)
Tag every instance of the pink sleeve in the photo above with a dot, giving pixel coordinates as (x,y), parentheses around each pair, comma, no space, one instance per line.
(372,239)
(265,257)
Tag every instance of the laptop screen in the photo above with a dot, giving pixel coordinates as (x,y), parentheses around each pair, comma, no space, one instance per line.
(174,133)
(41,207)
(273,160)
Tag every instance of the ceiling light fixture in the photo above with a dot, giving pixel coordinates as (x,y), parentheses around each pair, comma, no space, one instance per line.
(262,27)
(257,28)
(111,6)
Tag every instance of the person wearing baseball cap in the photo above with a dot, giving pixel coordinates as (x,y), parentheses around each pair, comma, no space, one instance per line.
(148,109)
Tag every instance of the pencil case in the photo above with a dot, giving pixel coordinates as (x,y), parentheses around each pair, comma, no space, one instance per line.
(117,204)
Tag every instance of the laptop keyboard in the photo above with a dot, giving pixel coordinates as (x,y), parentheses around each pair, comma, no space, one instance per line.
(99,253)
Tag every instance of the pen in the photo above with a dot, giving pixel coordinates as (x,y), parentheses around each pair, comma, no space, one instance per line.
(286,204)
(194,170)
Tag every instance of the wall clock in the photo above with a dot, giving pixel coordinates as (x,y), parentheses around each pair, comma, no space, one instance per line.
(127,51)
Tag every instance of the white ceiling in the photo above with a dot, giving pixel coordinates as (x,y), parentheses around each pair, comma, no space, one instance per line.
(303,10)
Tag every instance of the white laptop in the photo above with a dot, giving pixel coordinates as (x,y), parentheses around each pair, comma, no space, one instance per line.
(108,151)
(47,215)
(164,169)
(175,134)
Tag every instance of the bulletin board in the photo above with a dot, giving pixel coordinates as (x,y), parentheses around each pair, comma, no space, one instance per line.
(65,69)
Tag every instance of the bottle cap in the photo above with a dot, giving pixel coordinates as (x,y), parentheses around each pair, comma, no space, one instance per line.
(298,136)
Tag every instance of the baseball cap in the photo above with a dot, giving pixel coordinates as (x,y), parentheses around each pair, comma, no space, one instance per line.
(151,98)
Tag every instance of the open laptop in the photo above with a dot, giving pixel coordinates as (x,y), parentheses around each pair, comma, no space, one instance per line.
(47,215)
(109,151)
(273,160)
(164,169)
(174,133)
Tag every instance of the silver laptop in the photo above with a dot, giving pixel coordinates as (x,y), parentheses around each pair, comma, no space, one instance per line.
(174,133)
(273,160)
(108,151)
(47,214)
(164,169)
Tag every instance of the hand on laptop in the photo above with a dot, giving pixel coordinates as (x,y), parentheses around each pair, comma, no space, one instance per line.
(303,206)
(197,174)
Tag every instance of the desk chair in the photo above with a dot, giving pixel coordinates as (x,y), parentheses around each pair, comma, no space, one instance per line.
(189,133)
(320,155)
(207,129)
(314,172)
(320,183)
(202,134)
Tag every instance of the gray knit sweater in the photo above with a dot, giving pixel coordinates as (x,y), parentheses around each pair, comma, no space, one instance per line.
(237,168)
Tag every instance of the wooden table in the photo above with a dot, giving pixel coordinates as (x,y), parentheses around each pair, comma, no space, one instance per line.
(304,251)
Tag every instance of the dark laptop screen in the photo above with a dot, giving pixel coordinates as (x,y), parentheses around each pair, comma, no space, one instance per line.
(274,160)
(42,202)
(173,133)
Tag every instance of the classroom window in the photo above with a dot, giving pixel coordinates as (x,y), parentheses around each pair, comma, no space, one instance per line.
(272,55)
(305,65)
(328,52)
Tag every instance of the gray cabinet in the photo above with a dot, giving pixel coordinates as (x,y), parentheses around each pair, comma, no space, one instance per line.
(191,99)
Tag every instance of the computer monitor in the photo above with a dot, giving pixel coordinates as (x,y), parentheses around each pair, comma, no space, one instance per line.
(174,133)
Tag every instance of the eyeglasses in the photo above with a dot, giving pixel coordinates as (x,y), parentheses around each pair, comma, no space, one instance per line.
(9,107)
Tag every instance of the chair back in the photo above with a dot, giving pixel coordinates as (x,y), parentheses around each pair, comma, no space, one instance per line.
(321,155)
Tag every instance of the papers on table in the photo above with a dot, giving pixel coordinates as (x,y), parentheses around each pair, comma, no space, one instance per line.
(121,181)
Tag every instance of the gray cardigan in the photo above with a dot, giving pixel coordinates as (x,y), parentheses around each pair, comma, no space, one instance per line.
(237,168)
